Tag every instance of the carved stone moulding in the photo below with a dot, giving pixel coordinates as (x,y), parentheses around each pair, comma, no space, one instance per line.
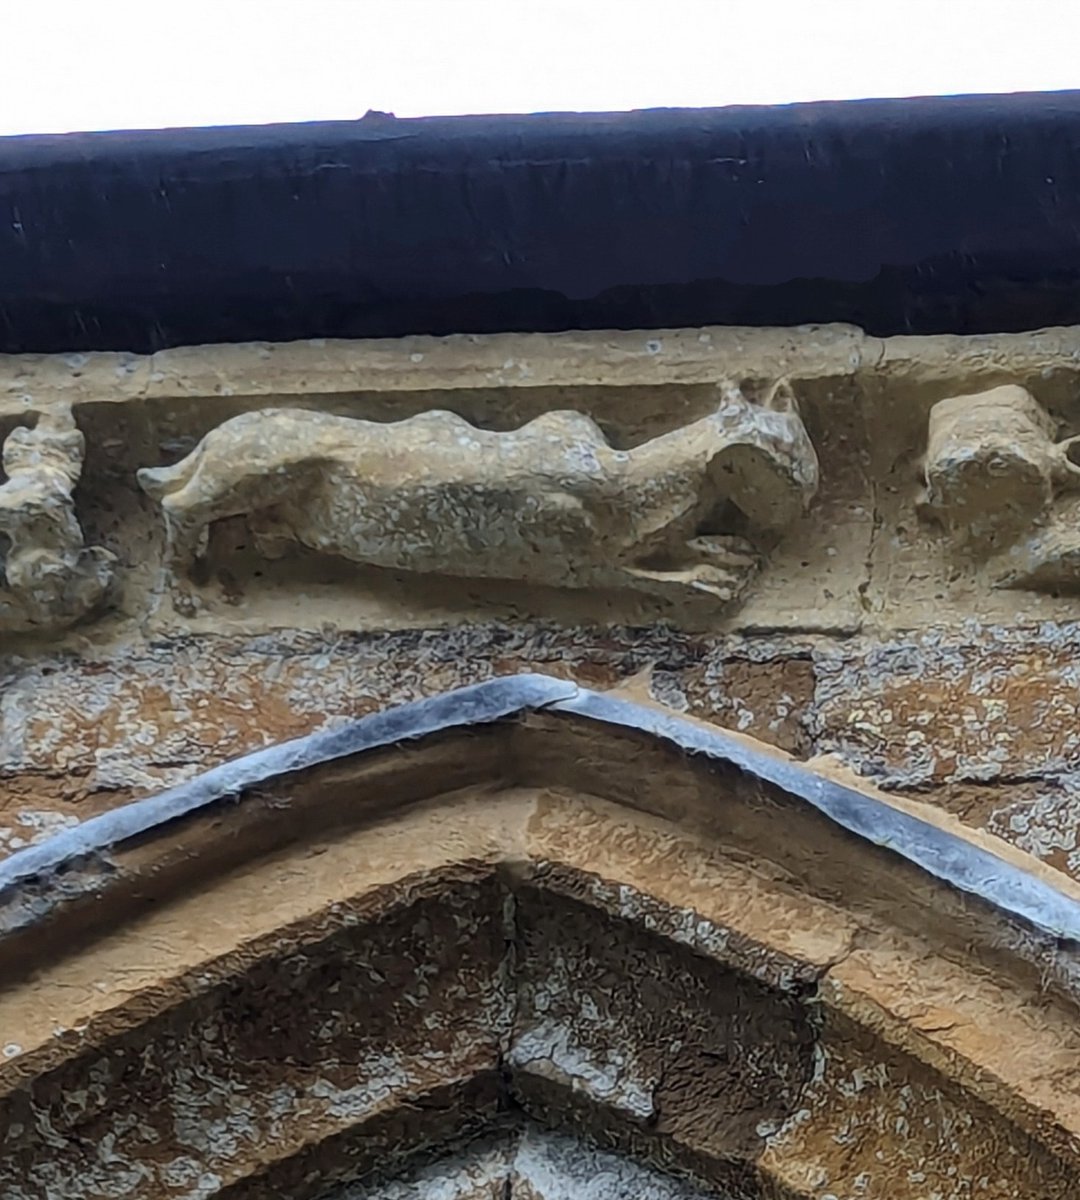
(510,935)
(813,480)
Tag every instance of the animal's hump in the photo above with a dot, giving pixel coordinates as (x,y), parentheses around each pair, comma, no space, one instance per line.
(566,422)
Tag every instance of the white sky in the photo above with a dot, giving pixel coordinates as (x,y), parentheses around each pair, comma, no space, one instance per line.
(109,64)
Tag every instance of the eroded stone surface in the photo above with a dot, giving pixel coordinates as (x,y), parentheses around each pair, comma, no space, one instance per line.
(991,465)
(992,704)
(994,471)
(665,1041)
(50,578)
(82,733)
(550,503)
(482,1172)
(862,557)
(307,1044)
(889,1133)
(990,708)
(341,1057)
(858,640)
(333,1039)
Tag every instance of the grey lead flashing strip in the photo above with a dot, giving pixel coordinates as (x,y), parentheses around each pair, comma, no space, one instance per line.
(944,855)
(480,704)
(952,859)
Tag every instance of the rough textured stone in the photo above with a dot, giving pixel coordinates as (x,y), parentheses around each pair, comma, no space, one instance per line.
(890,1132)
(81,733)
(985,704)
(531,1165)
(51,579)
(993,472)
(550,503)
(614,1016)
(350,1005)
(389,995)
(864,557)
(286,1053)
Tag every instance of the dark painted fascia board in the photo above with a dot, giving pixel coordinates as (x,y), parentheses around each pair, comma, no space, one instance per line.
(925,215)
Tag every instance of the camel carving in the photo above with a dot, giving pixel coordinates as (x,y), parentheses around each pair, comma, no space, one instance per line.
(50,578)
(549,503)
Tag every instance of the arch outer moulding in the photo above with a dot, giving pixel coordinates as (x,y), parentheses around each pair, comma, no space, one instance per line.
(521,930)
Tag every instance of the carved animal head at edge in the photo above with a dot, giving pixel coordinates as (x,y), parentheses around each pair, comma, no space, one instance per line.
(53,443)
(992,469)
(764,461)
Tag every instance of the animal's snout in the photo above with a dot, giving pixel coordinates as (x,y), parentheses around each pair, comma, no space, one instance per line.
(158,482)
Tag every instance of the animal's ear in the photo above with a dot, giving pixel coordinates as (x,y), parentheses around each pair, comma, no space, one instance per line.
(767,467)
(781,397)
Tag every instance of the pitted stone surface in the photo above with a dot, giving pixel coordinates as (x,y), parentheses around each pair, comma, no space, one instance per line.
(988,708)
(880,419)
(987,704)
(532,1165)
(341,1007)
(662,1039)
(889,1131)
(49,578)
(666,1011)
(550,503)
(319,1040)
(79,734)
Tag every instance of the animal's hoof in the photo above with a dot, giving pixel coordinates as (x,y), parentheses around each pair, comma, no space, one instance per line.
(186,603)
(724,585)
(725,551)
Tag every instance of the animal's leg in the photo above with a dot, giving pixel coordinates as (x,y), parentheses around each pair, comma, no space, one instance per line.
(687,583)
(187,533)
(721,567)
(725,550)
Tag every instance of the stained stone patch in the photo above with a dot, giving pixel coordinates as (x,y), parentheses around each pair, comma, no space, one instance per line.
(985,704)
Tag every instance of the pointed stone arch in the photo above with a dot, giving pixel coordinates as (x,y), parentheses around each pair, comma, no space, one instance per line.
(525,906)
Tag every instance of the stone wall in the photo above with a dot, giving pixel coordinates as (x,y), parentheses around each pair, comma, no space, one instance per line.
(870,628)
(863,553)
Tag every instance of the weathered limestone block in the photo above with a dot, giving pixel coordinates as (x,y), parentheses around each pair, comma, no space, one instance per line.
(550,503)
(638,947)
(51,578)
(1001,486)
(991,464)
(990,705)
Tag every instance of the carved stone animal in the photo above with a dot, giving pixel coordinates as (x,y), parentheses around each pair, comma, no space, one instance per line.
(51,578)
(992,466)
(1000,484)
(550,503)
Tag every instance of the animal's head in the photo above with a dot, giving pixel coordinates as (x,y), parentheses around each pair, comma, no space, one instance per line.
(54,443)
(761,457)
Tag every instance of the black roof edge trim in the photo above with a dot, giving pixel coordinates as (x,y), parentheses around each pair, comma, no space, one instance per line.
(952,214)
